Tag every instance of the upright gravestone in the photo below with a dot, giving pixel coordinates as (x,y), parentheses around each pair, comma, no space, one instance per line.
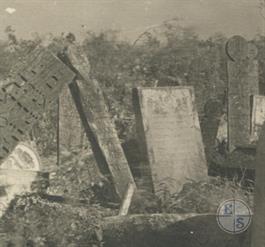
(258,116)
(258,225)
(172,136)
(71,132)
(242,84)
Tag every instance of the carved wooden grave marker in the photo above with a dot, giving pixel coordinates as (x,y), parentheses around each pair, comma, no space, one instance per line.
(258,116)
(173,137)
(242,84)
(33,85)
(97,123)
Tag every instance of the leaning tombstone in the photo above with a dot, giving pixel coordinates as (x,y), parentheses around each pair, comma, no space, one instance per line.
(98,125)
(172,137)
(34,85)
(258,116)
(243,82)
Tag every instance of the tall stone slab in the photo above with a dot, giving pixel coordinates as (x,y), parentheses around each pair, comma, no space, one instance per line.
(258,116)
(172,136)
(243,82)
(97,123)
(34,84)
(71,132)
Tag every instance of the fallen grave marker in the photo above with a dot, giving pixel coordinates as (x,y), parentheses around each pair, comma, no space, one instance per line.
(172,136)
(19,172)
(34,84)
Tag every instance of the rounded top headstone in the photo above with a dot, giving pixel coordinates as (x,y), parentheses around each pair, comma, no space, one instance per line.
(237,48)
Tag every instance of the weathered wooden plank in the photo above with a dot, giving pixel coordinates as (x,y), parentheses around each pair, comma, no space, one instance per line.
(173,138)
(97,123)
(258,224)
(34,84)
(242,84)
(258,116)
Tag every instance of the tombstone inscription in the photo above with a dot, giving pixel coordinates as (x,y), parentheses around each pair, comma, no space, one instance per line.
(173,138)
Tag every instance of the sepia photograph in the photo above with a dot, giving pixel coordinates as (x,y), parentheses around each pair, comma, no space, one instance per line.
(132,123)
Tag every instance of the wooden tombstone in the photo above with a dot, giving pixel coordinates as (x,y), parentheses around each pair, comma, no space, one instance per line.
(242,84)
(172,136)
(35,83)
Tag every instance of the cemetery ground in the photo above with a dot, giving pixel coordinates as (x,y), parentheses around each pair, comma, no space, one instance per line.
(80,203)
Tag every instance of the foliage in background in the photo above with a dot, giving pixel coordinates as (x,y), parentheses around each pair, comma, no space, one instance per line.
(173,56)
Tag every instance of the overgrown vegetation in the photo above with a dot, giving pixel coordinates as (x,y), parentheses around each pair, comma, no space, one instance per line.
(33,221)
(175,56)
